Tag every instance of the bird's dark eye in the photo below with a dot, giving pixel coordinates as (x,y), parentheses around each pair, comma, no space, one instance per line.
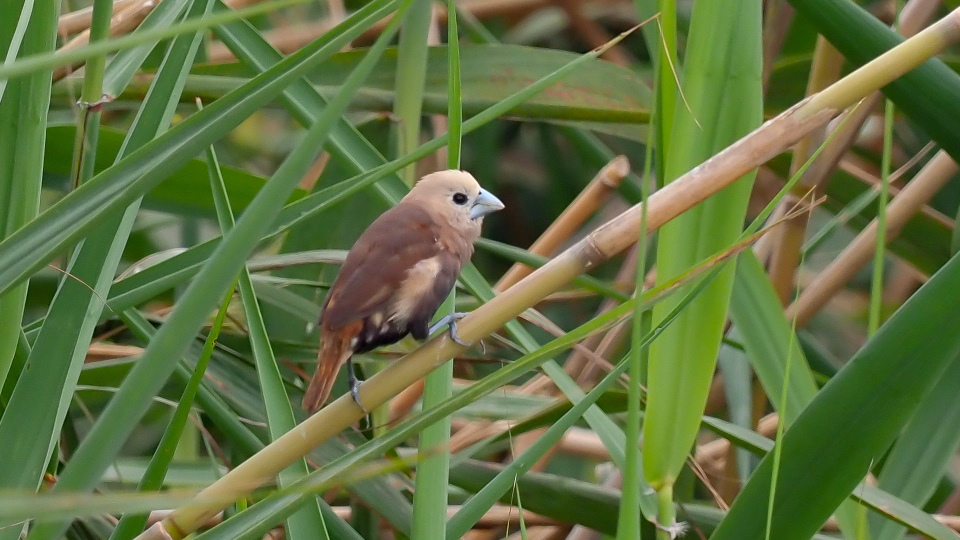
(459,198)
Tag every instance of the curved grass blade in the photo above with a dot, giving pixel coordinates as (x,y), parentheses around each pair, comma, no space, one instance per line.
(73,216)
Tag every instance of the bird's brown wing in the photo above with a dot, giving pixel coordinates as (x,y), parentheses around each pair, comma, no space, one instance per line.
(378,263)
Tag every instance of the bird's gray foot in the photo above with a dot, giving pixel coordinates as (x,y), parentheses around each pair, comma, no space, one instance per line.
(354,386)
(450,321)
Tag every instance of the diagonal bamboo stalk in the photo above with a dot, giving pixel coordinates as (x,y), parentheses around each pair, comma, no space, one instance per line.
(770,139)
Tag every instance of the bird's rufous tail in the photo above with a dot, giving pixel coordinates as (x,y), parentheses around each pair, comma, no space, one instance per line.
(335,349)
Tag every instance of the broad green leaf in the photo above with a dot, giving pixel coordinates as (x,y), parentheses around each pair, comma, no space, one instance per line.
(853,419)
(768,338)
(721,85)
(923,452)
(598,92)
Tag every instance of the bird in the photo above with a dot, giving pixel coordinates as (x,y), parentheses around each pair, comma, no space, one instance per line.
(397,274)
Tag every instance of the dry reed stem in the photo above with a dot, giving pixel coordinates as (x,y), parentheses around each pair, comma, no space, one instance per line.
(713,454)
(157,516)
(757,147)
(127,16)
(98,352)
(934,175)
(776,25)
(826,67)
(79,20)
(573,217)
(952,503)
(122,22)
(482,534)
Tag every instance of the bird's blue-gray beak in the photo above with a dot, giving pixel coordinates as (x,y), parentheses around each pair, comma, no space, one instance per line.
(485,204)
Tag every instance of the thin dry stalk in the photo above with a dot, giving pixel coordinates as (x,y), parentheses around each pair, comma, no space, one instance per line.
(122,22)
(579,365)
(756,148)
(827,64)
(592,34)
(79,20)
(587,202)
(937,172)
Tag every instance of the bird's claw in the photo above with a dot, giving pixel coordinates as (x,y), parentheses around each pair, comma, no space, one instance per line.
(450,321)
(456,337)
(354,386)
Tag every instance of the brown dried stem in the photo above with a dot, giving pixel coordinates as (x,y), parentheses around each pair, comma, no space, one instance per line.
(122,22)
(587,202)
(911,199)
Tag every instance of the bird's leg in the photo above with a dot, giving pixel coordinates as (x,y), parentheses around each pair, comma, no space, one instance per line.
(354,385)
(450,321)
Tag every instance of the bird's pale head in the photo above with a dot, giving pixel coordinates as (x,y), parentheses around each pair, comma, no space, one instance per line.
(456,197)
